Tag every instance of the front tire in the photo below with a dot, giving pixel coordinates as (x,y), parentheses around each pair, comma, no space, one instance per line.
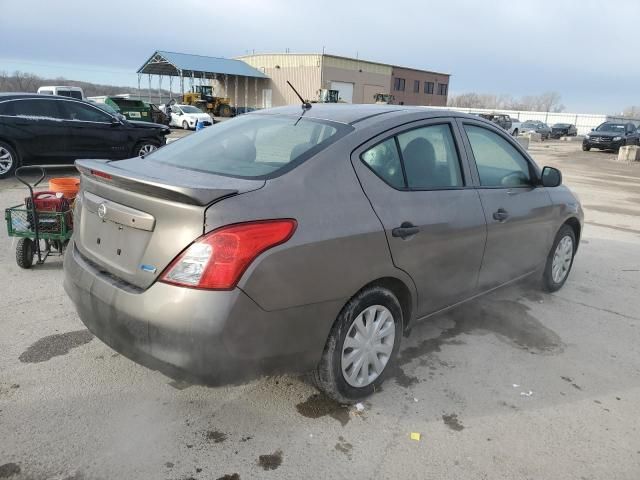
(185,125)
(585,148)
(24,253)
(559,260)
(362,346)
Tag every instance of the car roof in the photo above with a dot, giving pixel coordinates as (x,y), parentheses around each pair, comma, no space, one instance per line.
(354,113)
(15,96)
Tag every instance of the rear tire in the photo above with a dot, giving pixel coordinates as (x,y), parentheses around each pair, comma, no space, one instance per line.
(559,260)
(374,308)
(185,125)
(24,253)
(145,148)
(9,160)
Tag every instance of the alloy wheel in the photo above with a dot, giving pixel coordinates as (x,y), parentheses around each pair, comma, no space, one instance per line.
(146,149)
(6,160)
(367,348)
(562,259)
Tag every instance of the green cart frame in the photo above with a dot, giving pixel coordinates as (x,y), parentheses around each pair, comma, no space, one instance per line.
(32,227)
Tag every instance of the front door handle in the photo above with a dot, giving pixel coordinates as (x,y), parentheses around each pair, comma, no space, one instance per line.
(407,229)
(500,215)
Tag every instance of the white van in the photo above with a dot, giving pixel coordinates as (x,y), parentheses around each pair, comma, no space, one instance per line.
(73,92)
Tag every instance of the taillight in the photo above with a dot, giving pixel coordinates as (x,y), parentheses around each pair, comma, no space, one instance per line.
(98,173)
(217,260)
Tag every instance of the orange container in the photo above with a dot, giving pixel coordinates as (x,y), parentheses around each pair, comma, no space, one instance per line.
(68,186)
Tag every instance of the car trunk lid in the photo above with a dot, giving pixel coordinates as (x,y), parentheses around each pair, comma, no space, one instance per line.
(133,217)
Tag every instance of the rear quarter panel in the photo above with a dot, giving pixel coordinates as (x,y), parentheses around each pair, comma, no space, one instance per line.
(339,245)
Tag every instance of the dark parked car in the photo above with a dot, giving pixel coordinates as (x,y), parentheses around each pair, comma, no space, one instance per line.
(611,136)
(292,241)
(55,129)
(536,126)
(563,130)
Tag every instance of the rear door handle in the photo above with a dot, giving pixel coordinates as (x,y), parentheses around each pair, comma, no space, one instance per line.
(407,229)
(500,215)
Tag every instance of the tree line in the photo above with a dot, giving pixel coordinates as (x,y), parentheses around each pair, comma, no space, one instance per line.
(545,102)
(29,83)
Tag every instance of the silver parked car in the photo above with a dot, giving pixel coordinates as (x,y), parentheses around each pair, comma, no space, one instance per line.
(292,240)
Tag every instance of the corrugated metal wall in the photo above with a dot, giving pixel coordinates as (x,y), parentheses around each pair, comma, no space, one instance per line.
(302,70)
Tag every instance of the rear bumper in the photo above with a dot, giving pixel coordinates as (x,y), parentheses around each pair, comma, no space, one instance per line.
(212,337)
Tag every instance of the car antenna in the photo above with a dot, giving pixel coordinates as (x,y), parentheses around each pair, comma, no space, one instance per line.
(305,105)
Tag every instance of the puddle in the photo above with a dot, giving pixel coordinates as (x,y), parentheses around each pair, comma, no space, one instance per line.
(9,470)
(509,320)
(270,462)
(54,346)
(215,436)
(452,422)
(319,405)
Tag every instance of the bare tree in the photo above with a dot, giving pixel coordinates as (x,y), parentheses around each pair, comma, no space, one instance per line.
(546,102)
(632,111)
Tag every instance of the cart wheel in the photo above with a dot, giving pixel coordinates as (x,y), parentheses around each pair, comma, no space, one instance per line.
(24,253)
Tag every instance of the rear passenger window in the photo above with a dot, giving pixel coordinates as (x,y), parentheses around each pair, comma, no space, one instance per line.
(7,108)
(430,158)
(384,160)
(499,163)
(37,109)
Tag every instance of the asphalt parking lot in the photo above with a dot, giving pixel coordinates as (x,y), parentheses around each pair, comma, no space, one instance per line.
(517,385)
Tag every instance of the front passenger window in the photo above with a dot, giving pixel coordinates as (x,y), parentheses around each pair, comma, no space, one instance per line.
(86,113)
(499,163)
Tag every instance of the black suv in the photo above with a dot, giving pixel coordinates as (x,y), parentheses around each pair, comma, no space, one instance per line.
(611,136)
(54,129)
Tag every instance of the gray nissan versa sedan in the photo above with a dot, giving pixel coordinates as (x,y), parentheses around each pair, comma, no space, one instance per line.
(309,240)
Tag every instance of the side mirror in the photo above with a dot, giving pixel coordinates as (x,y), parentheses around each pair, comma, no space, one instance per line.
(551,177)
(115,121)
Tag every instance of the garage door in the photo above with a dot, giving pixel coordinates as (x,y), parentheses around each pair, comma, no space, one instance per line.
(345,89)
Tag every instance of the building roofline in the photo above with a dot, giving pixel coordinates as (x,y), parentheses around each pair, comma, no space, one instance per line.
(343,58)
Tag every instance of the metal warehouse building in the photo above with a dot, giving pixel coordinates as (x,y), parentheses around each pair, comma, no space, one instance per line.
(260,81)
(356,80)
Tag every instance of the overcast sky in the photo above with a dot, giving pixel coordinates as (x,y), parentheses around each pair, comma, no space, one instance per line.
(586,50)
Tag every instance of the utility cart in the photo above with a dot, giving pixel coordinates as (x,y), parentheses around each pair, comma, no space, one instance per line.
(43,223)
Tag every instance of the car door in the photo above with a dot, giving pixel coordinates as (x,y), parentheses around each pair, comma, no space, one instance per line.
(95,133)
(420,189)
(37,126)
(517,209)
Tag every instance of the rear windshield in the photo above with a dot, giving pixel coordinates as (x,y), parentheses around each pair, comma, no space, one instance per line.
(252,146)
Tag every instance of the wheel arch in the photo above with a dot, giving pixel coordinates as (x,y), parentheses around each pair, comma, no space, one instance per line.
(574,223)
(404,295)
(12,144)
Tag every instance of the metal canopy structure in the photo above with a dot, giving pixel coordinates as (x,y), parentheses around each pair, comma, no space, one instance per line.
(199,68)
